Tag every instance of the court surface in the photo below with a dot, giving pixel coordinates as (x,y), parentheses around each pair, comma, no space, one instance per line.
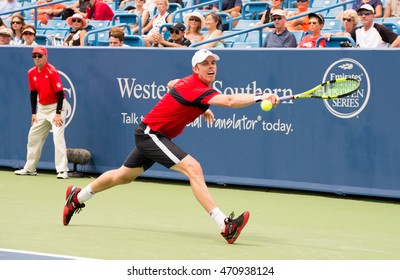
(161,220)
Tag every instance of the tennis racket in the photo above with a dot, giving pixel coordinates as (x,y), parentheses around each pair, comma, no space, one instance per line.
(333,89)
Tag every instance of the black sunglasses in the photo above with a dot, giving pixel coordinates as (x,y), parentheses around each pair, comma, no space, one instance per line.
(194,18)
(347,19)
(37,56)
(174,31)
(364,13)
(76,20)
(16,22)
(276,18)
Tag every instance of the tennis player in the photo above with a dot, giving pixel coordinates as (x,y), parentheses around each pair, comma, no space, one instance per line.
(187,99)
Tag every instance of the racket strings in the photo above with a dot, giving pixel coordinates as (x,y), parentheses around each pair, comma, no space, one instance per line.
(337,89)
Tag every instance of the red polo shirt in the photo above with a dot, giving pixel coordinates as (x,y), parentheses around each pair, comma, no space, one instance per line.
(99,11)
(171,114)
(46,82)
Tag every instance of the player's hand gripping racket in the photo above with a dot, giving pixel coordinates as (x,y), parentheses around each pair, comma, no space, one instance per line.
(333,89)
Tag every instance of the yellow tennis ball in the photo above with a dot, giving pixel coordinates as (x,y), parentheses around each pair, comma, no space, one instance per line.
(266,105)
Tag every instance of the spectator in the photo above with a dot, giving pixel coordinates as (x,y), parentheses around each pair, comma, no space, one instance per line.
(195,22)
(2,25)
(232,7)
(177,38)
(79,7)
(17,23)
(180,2)
(48,113)
(153,27)
(77,35)
(267,15)
(29,35)
(213,22)
(376,4)
(48,12)
(316,22)
(392,8)
(98,10)
(5,36)
(350,21)
(117,37)
(373,35)
(299,23)
(142,12)
(280,37)
(9,6)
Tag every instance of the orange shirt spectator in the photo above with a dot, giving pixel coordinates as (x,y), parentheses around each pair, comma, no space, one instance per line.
(48,12)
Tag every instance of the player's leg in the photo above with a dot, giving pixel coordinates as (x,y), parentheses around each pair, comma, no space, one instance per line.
(230,227)
(134,165)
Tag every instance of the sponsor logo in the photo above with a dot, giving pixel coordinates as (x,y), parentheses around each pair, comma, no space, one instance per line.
(70,101)
(352,105)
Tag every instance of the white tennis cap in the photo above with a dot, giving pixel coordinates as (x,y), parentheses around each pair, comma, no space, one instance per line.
(367,7)
(201,55)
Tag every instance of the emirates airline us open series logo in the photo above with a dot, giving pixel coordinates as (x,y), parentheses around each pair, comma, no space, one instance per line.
(70,100)
(352,105)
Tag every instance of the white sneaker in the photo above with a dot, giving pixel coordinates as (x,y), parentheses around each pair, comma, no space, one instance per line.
(62,175)
(25,172)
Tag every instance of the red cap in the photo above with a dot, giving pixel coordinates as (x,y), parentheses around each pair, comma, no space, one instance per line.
(41,50)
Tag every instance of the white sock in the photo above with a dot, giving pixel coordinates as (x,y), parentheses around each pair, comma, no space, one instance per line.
(219,218)
(85,194)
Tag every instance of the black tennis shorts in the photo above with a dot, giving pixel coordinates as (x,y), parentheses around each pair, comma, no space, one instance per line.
(151,147)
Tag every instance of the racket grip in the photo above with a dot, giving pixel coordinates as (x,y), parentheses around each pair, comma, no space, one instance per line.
(287,97)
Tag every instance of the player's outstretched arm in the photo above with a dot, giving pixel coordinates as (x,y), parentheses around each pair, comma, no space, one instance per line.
(241,100)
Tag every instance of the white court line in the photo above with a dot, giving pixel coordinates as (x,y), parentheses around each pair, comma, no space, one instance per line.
(42,254)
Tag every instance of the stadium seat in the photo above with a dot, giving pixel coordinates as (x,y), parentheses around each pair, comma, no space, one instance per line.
(337,42)
(97,24)
(254,36)
(298,34)
(393,20)
(127,18)
(322,3)
(56,32)
(236,38)
(134,41)
(254,10)
(332,24)
(334,12)
(246,45)
(56,24)
(244,24)
(392,26)
(43,40)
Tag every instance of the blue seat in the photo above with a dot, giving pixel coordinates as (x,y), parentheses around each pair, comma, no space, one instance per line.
(56,24)
(235,38)
(392,20)
(392,26)
(244,24)
(254,36)
(127,18)
(332,24)
(254,10)
(322,3)
(245,45)
(97,24)
(134,40)
(298,34)
(337,42)
(43,40)
(56,32)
